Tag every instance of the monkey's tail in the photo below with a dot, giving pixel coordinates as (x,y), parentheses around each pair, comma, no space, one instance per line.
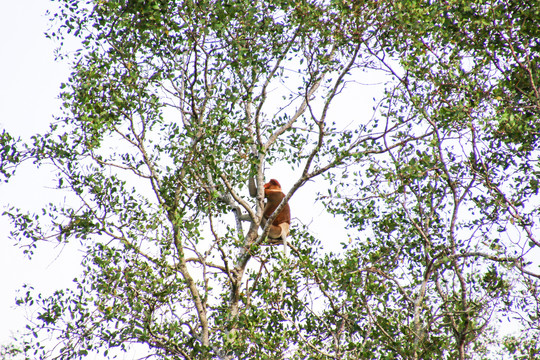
(286,267)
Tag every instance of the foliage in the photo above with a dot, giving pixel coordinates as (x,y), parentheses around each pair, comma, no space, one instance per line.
(173,105)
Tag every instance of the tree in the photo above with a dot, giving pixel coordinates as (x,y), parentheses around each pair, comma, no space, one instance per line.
(173,105)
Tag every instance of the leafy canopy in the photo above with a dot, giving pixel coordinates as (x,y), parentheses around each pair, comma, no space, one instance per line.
(173,105)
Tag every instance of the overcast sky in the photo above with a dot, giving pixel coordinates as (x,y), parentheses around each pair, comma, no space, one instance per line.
(30,81)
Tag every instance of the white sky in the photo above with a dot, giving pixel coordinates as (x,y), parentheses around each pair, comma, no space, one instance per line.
(30,81)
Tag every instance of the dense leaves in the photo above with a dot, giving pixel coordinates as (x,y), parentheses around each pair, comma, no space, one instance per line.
(173,105)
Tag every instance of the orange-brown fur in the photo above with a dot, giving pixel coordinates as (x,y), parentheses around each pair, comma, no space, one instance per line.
(274,195)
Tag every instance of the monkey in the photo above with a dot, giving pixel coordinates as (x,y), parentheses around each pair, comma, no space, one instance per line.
(280,226)
(279,230)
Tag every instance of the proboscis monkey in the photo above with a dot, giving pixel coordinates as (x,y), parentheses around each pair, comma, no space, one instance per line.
(279,230)
(280,226)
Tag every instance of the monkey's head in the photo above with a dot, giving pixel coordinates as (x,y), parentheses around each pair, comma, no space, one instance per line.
(273,184)
(271,187)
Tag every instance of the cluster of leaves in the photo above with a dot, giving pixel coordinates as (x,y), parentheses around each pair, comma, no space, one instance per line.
(172,106)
